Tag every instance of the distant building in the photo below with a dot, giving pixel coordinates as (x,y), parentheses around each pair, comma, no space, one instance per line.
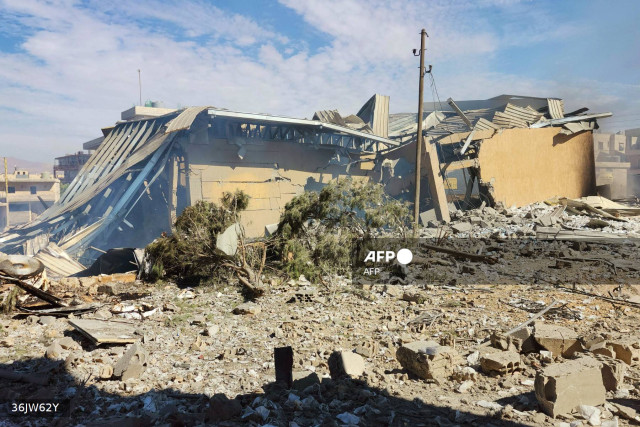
(29,195)
(612,166)
(148,111)
(633,157)
(67,167)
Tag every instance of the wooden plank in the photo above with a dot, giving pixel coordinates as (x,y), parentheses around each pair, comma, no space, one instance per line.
(104,331)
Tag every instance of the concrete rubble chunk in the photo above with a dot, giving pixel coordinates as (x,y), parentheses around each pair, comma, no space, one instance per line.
(54,351)
(304,379)
(428,359)
(557,339)
(68,343)
(627,350)
(613,371)
(505,362)
(247,308)
(132,364)
(563,387)
(462,227)
(347,363)
(590,413)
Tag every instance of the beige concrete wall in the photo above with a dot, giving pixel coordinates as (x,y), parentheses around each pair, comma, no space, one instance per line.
(529,165)
(271,173)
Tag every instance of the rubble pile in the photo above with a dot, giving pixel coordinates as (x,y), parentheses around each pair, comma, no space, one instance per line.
(335,352)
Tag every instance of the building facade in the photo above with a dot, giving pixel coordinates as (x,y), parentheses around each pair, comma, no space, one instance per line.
(66,168)
(28,195)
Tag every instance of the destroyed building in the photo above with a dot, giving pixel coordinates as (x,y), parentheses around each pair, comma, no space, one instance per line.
(516,149)
(145,171)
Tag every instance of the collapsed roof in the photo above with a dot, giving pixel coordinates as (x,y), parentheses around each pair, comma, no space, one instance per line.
(100,209)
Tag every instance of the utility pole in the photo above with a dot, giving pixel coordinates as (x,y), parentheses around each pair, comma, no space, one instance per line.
(140,85)
(436,185)
(6,193)
(416,205)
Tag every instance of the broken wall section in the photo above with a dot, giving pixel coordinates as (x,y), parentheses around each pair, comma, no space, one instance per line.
(522,166)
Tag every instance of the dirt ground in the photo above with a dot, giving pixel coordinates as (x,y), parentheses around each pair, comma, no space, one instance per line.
(187,366)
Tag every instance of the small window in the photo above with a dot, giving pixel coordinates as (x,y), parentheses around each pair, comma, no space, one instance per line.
(12,190)
(33,189)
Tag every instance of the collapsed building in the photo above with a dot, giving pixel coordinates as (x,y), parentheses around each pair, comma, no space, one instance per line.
(513,150)
(146,171)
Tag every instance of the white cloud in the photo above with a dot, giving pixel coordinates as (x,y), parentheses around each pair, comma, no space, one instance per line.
(77,68)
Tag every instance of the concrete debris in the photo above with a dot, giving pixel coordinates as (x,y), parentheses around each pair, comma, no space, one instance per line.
(346,363)
(54,351)
(428,359)
(563,387)
(132,364)
(613,371)
(590,413)
(627,350)
(247,308)
(500,363)
(557,339)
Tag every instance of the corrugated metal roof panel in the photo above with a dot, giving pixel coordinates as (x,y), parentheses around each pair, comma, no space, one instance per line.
(185,119)
(556,108)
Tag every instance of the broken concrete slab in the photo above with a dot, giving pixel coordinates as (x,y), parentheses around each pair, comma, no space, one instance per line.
(502,363)
(430,215)
(347,363)
(104,331)
(428,359)
(562,387)
(132,364)
(556,339)
(304,379)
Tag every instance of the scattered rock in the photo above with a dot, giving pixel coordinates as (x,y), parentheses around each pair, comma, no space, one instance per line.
(462,227)
(105,372)
(46,320)
(211,331)
(627,350)
(563,387)
(247,308)
(54,351)
(132,364)
(68,343)
(347,363)
(590,413)
(7,342)
(107,289)
(198,320)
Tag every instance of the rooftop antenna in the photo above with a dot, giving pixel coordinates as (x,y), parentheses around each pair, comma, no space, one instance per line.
(140,86)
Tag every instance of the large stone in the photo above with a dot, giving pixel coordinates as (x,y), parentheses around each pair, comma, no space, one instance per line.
(428,359)
(557,339)
(502,363)
(563,387)
(347,363)
(132,364)
(68,343)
